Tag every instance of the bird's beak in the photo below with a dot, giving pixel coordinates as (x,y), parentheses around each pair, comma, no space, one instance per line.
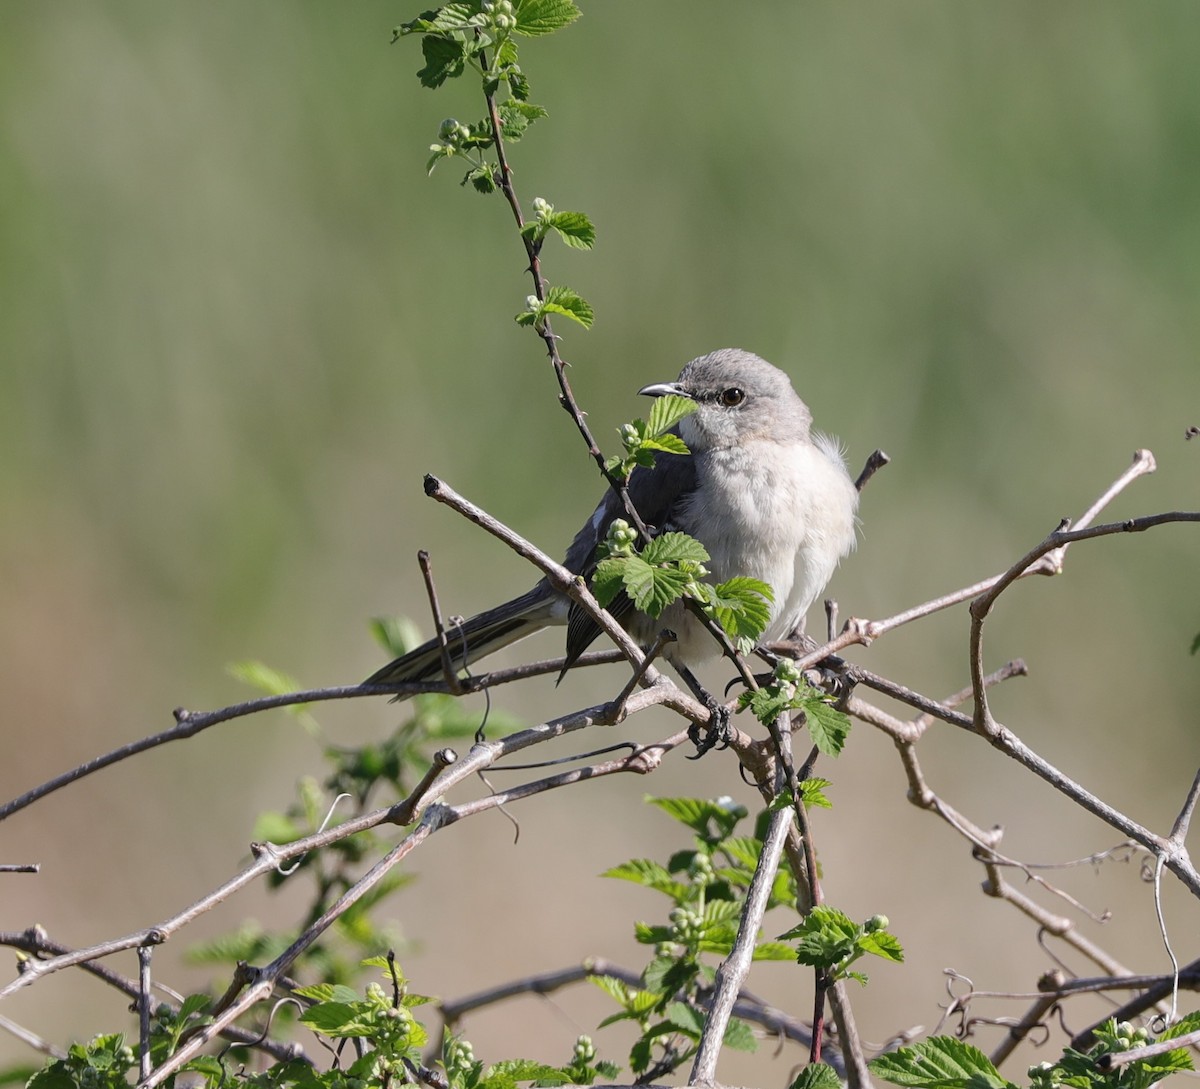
(663,389)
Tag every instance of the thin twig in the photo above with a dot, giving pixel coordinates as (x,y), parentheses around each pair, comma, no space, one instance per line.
(733,970)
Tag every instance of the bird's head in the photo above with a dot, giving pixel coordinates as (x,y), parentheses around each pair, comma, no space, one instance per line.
(739,398)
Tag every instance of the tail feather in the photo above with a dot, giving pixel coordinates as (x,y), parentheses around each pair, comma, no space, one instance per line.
(474,639)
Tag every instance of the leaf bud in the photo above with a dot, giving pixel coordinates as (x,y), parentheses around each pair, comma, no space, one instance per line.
(876,923)
(585,1050)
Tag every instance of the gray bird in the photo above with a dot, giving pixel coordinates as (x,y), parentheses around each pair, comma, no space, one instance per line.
(764,494)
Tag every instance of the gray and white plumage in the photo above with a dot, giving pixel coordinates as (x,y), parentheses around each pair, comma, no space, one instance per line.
(766,495)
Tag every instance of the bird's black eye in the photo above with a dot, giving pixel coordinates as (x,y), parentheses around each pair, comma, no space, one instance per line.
(732,396)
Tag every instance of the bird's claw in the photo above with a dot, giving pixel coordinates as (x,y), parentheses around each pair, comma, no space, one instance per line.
(716,733)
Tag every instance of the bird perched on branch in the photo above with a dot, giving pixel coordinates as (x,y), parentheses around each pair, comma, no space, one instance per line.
(765,495)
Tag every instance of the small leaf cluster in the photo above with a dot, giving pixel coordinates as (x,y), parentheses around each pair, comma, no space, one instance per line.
(943,1062)
(643,439)
(829,940)
(706,886)
(459,35)
(557,300)
(382,1024)
(480,34)
(788,690)
(109,1062)
(464,1071)
(574,228)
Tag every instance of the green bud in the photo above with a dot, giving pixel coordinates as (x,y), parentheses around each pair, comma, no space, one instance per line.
(876,923)
(447,129)
(787,671)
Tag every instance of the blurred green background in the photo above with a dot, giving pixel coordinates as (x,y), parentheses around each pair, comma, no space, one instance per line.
(240,324)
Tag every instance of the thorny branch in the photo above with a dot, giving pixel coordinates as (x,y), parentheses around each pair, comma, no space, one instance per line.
(447,772)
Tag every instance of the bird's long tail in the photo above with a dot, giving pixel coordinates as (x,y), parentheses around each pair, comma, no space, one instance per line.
(473,639)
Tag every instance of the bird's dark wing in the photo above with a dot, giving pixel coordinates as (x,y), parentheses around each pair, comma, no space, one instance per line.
(656,494)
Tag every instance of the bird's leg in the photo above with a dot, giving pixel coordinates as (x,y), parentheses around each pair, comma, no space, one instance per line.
(717,732)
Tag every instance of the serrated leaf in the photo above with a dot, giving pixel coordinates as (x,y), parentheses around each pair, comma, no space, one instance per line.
(522,1070)
(666,444)
(827,726)
(940,1061)
(686,1019)
(742,607)
(668,975)
(518,83)
(882,944)
(444,59)
(740,1036)
(453,16)
(562,300)
(674,548)
(812,793)
(767,704)
(653,588)
(574,228)
(538,17)
(193,1004)
(667,411)
(817,1076)
(338,1019)
(516,116)
(774,951)
(645,934)
(1188,1023)
(482,178)
(744,850)
(697,813)
(824,938)
(608,579)
(652,875)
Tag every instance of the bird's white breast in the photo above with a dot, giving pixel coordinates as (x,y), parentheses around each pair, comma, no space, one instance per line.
(784,514)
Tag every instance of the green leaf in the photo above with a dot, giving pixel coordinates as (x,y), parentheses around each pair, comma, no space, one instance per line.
(273,682)
(882,944)
(1196,643)
(653,588)
(667,444)
(482,178)
(667,411)
(742,606)
(444,59)
(674,548)
(395,634)
(608,580)
(1186,1024)
(698,814)
(538,17)
(767,704)
(562,300)
(774,951)
(574,228)
(827,936)
(812,793)
(817,1076)
(338,1019)
(652,875)
(740,1036)
(827,726)
(940,1062)
(687,1019)
(515,117)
